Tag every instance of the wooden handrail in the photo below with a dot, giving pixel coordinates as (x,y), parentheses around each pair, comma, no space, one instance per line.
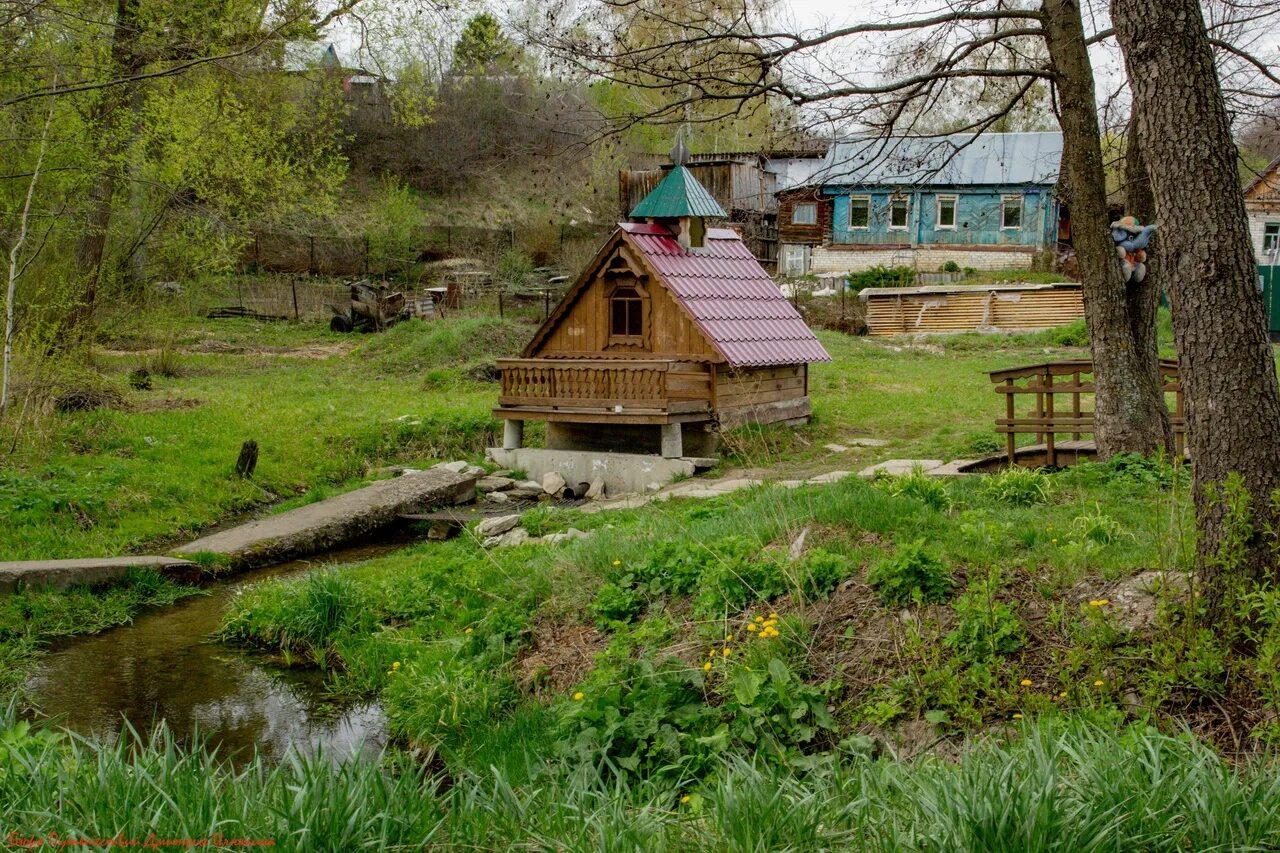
(1047,418)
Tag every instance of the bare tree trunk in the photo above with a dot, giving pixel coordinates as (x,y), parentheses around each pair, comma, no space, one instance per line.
(15,270)
(1228,371)
(1130,412)
(91,247)
(1142,299)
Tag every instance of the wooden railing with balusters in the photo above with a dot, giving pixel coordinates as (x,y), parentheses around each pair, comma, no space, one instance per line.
(1051,415)
(636,385)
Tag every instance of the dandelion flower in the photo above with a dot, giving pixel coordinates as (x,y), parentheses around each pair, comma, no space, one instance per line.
(773,615)
(728,638)
(466,631)
(726,651)
(1017,716)
(711,653)
(1026,682)
(579,696)
(1053,541)
(759,618)
(753,627)
(1099,683)
(706,667)
(1063,694)
(685,799)
(617,562)
(395,664)
(1103,602)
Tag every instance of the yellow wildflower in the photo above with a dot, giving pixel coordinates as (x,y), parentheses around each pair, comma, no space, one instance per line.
(1017,716)
(1026,682)
(706,667)
(617,562)
(579,696)
(773,615)
(466,631)
(1053,541)
(1063,694)
(1103,602)
(685,799)
(728,638)
(759,618)
(395,664)
(711,653)
(726,651)
(1099,683)
(753,627)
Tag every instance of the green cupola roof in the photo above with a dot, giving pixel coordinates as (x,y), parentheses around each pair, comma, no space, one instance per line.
(678,194)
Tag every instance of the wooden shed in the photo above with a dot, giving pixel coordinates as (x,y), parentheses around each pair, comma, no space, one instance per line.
(1014,307)
(672,330)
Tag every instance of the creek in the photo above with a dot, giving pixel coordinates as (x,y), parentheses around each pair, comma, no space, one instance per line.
(164,667)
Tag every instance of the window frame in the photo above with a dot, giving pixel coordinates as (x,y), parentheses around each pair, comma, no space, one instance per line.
(906,206)
(640,301)
(864,199)
(1005,204)
(1271,233)
(811,207)
(955,212)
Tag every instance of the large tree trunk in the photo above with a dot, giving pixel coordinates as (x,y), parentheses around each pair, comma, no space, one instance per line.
(1130,413)
(1207,263)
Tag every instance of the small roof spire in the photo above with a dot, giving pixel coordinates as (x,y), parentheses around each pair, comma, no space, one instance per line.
(679,153)
(676,195)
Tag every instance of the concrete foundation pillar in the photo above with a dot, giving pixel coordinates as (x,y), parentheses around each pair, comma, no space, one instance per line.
(672,441)
(512,435)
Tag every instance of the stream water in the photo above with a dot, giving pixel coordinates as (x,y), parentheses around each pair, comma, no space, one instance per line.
(163,666)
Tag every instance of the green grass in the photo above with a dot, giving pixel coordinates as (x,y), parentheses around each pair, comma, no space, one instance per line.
(1048,787)
(108,481)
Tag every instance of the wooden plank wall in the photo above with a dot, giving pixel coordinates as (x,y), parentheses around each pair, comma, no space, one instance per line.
(896,314)
(748,387)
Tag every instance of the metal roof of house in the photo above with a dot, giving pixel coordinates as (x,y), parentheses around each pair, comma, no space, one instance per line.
(678,194)
(729,296)
(991,159)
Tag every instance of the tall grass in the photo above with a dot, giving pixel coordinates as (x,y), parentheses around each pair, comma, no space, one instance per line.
(1051,786)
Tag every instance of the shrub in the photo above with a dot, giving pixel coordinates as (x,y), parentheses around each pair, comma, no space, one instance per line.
(985,626)
(1071,335)
(911,575)
(950,266)
(1018,486)
(918,485)
(616,603)
(984,443)
(1097,527)
(882,277)
(819,572)
(735,575)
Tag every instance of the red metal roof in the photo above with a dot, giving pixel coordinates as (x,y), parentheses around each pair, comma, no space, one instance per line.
(729,295)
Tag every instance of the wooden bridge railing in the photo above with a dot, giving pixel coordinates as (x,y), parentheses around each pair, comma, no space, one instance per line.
(1060,391)
(650,385)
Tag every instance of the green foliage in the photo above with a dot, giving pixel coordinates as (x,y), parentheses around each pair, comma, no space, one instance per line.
(986,627)
(735,574)
(1074,334)
(1018,486)
(1133,469)
(950,266)
(1097,527)
(483,48)
(413,347)
(819,570)
(882,277)
(911,575)
(931,491)
(673,567)
(616,602)
(393,228)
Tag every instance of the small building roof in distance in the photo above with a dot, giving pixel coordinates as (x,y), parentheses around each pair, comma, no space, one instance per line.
(678,194)
(991,159)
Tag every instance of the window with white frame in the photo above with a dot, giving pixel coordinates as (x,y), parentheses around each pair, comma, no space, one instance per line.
(1270,238)
(859,211)
(1011,212)
(946,211)
(804,214)
(899,212)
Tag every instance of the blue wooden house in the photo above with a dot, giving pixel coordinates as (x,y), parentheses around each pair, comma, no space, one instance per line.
(987,202)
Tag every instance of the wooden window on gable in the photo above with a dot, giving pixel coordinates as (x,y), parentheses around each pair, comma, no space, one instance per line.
(626,315)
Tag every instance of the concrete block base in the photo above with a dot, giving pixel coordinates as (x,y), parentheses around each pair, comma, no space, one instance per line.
(623,473)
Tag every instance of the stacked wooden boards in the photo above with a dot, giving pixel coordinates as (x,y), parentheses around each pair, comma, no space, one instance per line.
(991,308)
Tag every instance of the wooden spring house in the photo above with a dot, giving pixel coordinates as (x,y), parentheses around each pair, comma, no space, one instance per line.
(674,329)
